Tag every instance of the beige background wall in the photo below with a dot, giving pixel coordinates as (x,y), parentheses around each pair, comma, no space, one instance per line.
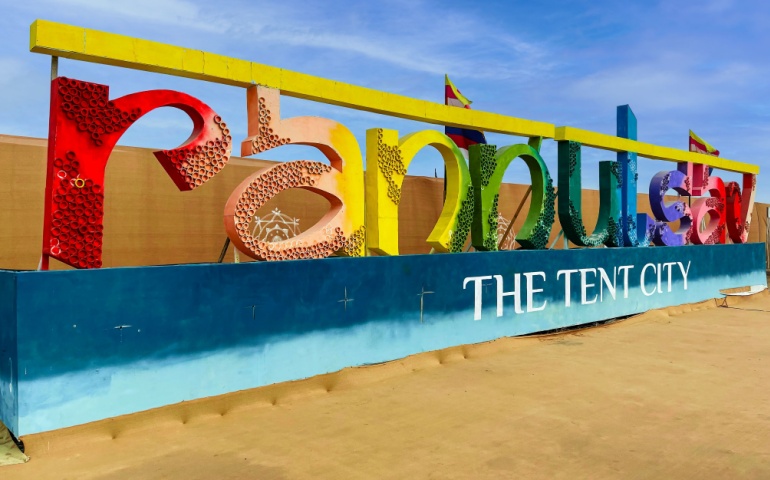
(149,222)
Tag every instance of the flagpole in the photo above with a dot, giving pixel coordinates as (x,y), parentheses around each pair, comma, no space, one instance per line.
(443,198)
(443,195)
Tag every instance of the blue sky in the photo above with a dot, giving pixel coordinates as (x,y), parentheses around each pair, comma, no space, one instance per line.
(680,65)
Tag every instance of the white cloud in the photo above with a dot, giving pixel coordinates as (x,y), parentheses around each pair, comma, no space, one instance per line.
(179,13)
(11,69)
(414,38)
(664,86)
(718,6)
(392,53)
(19,85)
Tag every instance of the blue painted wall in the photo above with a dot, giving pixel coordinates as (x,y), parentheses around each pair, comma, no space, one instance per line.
(100,343)
(9,406)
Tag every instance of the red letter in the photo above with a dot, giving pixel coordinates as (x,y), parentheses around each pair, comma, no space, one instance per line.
(84,128)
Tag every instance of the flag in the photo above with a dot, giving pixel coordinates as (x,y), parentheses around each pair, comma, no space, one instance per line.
(698,145)
(463,137)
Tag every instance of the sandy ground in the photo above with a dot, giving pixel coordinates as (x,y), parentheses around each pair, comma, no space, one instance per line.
(677,394)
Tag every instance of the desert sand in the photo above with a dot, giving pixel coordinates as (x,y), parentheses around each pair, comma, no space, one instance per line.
(680,393)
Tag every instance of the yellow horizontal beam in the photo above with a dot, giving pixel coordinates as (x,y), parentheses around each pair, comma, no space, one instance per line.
(648,150)
(96,46)
(111,49)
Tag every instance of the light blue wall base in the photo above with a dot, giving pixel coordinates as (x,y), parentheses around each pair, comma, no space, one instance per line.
(79,346)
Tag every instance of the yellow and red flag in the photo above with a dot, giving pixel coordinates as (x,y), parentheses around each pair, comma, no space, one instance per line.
(699,145)
(463,137)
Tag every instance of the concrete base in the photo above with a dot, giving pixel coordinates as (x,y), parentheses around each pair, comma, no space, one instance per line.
(79,346)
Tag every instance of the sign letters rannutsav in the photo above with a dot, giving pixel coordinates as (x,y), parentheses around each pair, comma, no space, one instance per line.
(363,185)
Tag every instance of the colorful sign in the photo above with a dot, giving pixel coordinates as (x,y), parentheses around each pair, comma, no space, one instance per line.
(136,343)
(86,124)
